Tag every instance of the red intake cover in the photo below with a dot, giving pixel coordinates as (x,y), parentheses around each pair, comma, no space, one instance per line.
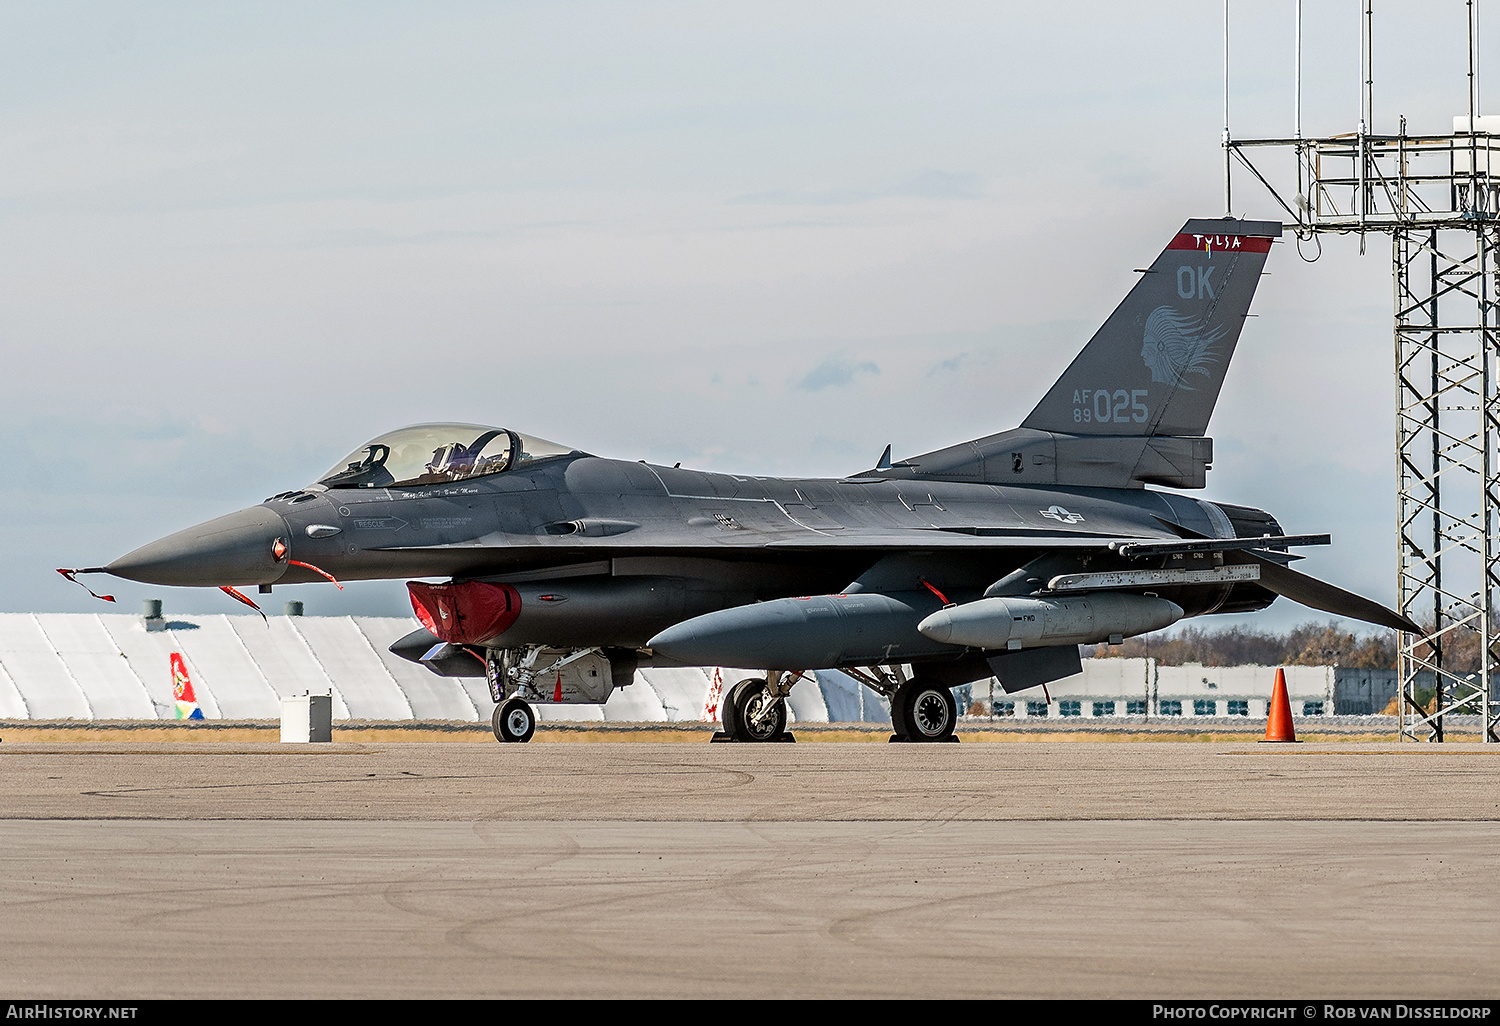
(465,614)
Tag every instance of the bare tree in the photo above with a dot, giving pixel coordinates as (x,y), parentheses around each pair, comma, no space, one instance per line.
(1310,644)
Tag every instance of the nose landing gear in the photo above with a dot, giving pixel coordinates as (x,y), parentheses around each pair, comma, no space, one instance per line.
(514,721)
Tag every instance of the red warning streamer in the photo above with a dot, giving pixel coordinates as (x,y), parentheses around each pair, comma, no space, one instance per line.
(226,589)
(325,573)
(941,597)
(72,575)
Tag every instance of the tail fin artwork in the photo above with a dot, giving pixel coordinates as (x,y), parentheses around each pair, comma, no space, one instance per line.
(1133,406)
(1157,364)
(182,690)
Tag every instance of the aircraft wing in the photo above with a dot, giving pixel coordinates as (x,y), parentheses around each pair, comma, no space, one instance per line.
(906,540)
(1277,577)
(506,554)
(497,553)
(943,538)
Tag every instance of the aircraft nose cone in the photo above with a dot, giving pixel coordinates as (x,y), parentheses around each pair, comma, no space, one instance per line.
(228,550)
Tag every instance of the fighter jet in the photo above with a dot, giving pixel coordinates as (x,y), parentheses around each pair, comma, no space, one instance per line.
(555,573)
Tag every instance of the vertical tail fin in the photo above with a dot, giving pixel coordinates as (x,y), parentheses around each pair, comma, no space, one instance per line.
(1157,364)
(182,690)
(1133,407)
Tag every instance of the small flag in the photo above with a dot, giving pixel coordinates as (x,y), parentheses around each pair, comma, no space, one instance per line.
(182,690)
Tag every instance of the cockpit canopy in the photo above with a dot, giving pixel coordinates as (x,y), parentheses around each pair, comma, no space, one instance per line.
(429,454)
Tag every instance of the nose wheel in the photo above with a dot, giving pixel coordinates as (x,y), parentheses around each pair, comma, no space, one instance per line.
(514,721)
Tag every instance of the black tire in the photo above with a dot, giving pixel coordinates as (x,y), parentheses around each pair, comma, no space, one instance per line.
(727,702)
(748,698)
(898,721)
(927,711)
(514,721)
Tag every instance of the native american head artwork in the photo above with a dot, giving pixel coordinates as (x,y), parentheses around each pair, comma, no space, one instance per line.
(1175,346)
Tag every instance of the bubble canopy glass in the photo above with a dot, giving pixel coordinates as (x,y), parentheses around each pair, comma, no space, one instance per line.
(429,454)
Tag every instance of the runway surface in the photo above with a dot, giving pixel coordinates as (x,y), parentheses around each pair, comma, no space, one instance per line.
(1140,870)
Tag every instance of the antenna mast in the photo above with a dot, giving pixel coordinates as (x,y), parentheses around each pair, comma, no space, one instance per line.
(1228,177)
(1438,197)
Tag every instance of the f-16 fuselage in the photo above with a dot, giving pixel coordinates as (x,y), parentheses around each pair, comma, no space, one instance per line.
(705,541)
(995,556)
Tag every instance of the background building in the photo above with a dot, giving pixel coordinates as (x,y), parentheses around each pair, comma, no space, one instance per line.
(104,666)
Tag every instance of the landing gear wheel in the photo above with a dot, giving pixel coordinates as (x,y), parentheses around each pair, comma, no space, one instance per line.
(752,713)
(514,721)
(899,730)
(727,705)
(924,711)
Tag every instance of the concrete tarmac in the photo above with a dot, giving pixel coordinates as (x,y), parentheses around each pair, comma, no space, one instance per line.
(1141,870)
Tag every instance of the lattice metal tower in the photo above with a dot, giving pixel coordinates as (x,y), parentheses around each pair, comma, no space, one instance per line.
(1438,198)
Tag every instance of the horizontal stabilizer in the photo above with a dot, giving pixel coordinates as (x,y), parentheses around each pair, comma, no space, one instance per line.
(1329,598)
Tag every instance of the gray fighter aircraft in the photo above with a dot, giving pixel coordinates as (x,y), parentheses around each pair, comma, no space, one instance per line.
(565,571)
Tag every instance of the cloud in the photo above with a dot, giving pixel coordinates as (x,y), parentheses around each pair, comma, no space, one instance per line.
(951,365)
(835,372)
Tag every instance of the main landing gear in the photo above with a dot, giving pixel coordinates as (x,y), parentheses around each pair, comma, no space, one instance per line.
(923,711)
(514,721)
(754,710)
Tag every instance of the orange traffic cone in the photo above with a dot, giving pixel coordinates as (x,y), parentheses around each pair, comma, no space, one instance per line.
(1279,718)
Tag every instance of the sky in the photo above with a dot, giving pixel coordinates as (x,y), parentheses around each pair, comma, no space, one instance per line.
(765,238)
